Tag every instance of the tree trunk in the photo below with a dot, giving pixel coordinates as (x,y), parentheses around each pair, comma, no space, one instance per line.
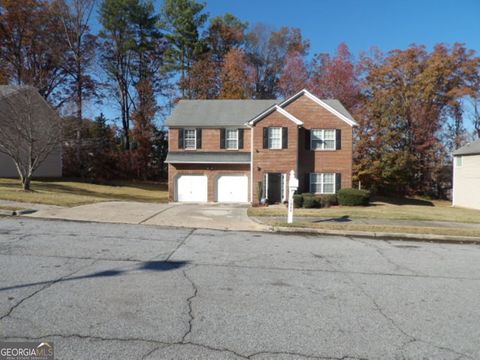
(26,183)
(79,119)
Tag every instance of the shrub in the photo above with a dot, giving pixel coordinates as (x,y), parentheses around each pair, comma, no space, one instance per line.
(310,202)
(260,191)
(297,201)
(327,200)
(353,197)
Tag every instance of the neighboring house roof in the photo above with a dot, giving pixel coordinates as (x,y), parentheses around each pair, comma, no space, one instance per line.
(472,148)
(215,113)
(6,90)
(280,110)
(208,157)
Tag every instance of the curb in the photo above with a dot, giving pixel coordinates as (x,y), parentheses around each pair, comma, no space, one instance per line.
(16,212)
(382,235)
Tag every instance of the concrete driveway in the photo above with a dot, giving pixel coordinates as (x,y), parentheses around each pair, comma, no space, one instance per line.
(207,216)
(113,291)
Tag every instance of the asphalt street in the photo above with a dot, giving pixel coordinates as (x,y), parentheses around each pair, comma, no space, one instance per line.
(112,291)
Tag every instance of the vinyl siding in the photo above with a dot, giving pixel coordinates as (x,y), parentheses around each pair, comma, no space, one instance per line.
(466,183)
(51,167)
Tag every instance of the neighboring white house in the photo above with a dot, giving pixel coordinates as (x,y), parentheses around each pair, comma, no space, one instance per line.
(50,167)
(466,176)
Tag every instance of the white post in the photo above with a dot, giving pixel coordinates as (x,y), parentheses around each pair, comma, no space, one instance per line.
(292,187)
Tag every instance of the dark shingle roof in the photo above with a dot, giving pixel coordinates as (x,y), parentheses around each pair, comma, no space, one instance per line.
(215,113)
(220,113)
(208,157)
(337,105)
(470,149)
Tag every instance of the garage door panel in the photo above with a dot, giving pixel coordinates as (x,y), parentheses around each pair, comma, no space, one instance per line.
(192,188)
(232,188)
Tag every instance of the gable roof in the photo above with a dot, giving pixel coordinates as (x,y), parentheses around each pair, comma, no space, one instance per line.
(472,148)
(216,113)
(6,90)
(332,105)
(241,113)
(280,110)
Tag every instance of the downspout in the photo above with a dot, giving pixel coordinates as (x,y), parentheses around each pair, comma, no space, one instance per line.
(251,163)
(453,180)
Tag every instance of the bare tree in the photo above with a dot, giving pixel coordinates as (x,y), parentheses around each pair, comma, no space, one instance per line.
(29,129)
(75,17)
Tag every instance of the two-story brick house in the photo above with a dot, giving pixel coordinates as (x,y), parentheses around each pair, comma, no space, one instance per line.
(243,150)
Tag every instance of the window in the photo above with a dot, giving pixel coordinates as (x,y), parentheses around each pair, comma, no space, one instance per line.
(459,161)
(190,139)
(231,139)
(275,138)
(323,139)
(322,183)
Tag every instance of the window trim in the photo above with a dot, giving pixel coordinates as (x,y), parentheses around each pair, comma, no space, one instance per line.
(322,183)
(237,139)
(279,138)
(323,140)
(459,161)
(185,138)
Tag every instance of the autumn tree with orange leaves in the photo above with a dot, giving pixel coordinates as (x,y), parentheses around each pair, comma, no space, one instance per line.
(237,76)
(410,111)
(32,47)
(295,75)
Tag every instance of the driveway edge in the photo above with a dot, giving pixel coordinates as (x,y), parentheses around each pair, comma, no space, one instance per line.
(381,235)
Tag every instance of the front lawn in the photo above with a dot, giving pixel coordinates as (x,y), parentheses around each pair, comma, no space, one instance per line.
(10,208)
(64,192)
(385,208)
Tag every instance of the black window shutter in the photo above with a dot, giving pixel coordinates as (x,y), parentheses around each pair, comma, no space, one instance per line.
(199,138)
(285,138)
(338,182)
(307,139)
(307,183)
(240,138)
(265,138)
(338,138)
(180,138)
(222,138)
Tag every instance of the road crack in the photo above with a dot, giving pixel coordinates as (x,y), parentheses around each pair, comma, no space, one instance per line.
(189,304)
(380,252)
(44,287)
(180,244)
(304,356)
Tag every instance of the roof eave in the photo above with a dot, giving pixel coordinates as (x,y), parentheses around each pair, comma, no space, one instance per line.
(272,109)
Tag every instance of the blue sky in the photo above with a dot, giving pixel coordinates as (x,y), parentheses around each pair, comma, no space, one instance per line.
(387,24)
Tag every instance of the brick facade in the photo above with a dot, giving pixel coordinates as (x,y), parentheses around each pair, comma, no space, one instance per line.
(315,116)
(295,157)
(210,140)
(273,160)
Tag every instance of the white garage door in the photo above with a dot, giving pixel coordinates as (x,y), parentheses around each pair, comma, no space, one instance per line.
(192,188)
(231,188)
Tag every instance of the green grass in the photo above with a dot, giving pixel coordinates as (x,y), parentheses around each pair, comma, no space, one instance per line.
(385,208)
(64,192)
(10,208)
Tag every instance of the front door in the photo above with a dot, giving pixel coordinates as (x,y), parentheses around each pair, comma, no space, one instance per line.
(274,191)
